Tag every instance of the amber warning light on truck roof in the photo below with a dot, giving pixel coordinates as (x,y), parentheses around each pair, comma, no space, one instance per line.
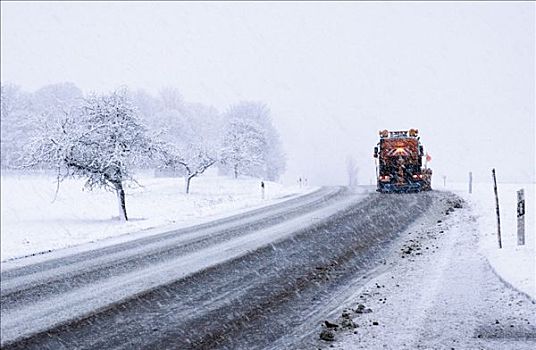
(403,133)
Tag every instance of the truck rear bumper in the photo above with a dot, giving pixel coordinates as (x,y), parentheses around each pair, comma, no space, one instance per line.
(407,187)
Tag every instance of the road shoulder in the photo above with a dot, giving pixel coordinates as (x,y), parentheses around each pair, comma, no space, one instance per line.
(41,256)
(439,293)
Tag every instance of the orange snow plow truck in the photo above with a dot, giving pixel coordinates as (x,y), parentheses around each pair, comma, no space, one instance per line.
(399,167)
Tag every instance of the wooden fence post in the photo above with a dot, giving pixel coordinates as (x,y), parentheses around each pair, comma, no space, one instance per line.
(521,217)
(497,208)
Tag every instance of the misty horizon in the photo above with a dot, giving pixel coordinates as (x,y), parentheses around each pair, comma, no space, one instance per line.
(333,75)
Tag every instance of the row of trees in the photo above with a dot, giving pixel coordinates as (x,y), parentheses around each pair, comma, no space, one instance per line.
(105,138)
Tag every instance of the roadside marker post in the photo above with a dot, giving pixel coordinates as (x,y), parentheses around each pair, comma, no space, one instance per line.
(497,208)
(470,182)
(521,217)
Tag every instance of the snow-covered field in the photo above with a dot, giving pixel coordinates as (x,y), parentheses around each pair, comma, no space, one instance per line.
(515,264)
(33,222)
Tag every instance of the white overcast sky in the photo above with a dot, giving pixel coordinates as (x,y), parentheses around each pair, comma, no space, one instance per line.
(333,73)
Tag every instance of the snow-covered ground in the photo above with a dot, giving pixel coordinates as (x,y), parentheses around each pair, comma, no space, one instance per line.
(515,264)
(33,222)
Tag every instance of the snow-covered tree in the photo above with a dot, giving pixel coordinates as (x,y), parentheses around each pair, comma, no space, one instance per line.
(192,142)
(194,160)
(269,161)
(56,99)
(23,112)
(147,105)
(171,98)
(101,141)
(16,125)
(243,147)
(275,157)
(352,171)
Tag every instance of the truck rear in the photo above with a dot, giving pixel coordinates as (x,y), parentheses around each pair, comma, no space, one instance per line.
(400,162)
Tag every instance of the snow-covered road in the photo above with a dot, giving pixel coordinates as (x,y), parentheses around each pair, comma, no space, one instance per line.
(37,296)
(257,280)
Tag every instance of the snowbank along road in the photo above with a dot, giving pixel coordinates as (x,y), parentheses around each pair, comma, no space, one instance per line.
(263,279)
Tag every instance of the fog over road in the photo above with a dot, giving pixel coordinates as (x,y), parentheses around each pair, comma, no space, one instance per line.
(262,279)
